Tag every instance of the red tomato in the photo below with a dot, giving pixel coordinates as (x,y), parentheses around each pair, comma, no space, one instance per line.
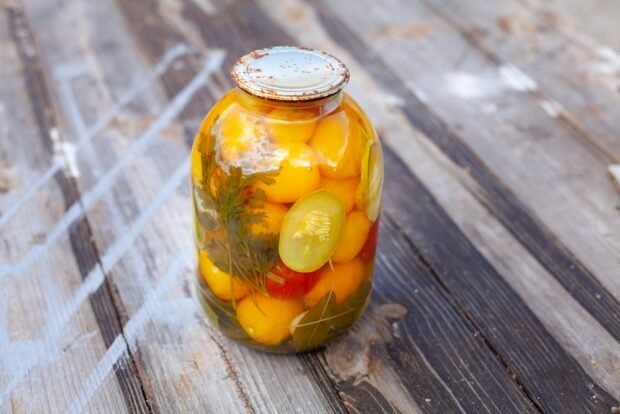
(294,284)
(370,246)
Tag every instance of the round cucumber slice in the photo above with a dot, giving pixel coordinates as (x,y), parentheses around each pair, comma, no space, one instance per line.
(311,231)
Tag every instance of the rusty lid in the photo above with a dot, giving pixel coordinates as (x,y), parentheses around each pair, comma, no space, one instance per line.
(288,73)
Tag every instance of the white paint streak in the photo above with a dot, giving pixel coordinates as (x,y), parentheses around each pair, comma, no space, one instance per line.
(489,109)
(516,79)
(65,152)
(552,108)
(206,6)
(467,86)
(173,311)
(608,53)
(394,100)
(58,319)
(130,332)
(131,93)
(77,210)
(68,152)
(419,93)
(70,70)
(480,85)
(614,172)
(54,326)
(610,64)
(4,329)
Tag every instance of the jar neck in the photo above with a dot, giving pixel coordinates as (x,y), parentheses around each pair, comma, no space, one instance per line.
(322,106)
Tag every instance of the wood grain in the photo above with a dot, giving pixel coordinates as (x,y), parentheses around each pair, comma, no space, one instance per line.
(488,297)
(507,324)
(39,127)
(216,361)
(574,74)
(247,15)
(517,217)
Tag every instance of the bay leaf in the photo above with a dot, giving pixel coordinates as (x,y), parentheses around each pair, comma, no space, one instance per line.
(312,329)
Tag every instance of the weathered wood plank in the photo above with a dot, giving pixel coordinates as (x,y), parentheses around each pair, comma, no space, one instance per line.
(30,365)
(302,24)
(138,272)
(243,12)
(240,11)
(460,196)
(535,180)
(183,366)
(265,393)
(598,18)
(85,387)
(175,360)
(504,320)
(576,76)
(437,353)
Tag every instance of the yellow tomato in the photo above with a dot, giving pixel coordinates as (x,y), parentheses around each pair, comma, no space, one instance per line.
(338,144)
(289,125)
(345,189)
(344,280)
(221,283)
(267,320)
(298,174)
(356,228)
(240,134)
(272,221)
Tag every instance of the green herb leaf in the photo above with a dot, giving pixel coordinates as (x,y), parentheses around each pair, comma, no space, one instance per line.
(313,329)
(326,317)
(228,205)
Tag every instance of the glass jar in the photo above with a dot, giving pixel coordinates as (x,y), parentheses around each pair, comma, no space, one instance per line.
(287,173)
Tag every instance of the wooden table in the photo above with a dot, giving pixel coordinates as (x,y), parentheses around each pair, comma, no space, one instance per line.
(498,275)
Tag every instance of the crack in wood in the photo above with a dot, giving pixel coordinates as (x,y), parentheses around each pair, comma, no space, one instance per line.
(232,374)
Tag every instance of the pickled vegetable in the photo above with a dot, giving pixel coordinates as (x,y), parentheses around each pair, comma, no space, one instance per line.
(223,285)
(371,185)
(289,125)
(287,283)
(270,218)
(343,280)
(370,245)
(286,204)
(339,146)
(266,319)
(356,227)
(240,136)
(297,176)
(311,231)
(345,189)
(314,327)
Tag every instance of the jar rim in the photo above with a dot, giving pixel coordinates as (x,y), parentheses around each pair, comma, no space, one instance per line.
(290,74)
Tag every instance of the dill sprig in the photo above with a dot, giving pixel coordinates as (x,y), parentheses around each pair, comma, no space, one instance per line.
(230,204)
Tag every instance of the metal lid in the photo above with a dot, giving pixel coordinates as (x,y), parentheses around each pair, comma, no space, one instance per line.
(288,73)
